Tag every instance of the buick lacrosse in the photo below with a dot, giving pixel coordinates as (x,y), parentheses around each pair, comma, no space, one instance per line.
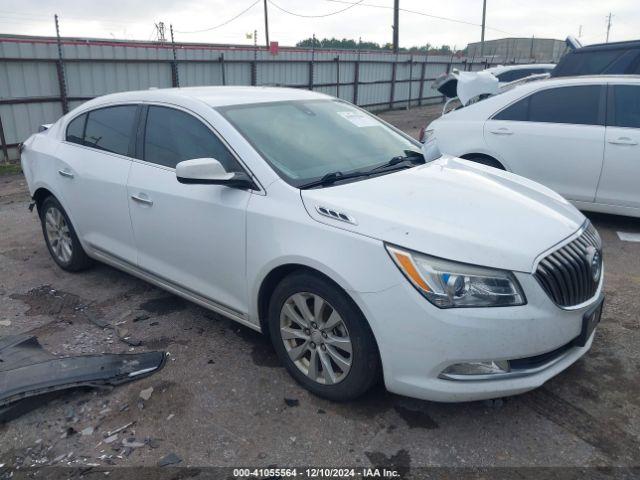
(314,222)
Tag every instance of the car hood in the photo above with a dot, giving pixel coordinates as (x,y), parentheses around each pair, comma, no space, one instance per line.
(467,85)
(453,209)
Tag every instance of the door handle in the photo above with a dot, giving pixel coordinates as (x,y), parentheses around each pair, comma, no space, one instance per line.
(623,141)
(501,131)
(142,199)
(66,173)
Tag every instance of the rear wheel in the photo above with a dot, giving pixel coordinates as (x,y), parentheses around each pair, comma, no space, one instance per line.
(322,338)
(61,238)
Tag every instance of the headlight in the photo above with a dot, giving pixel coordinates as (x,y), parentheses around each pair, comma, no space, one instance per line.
(448,284)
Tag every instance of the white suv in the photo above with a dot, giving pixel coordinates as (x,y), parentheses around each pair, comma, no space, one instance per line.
(304,217)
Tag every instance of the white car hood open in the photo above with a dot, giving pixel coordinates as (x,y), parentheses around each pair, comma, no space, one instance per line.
(453,209)
(474,84)
(467,85)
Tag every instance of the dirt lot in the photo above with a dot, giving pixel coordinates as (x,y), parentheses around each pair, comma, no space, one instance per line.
(224,400)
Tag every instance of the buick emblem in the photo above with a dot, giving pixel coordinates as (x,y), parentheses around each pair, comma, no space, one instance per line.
(594,259)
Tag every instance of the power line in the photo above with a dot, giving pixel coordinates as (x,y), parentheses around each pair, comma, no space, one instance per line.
(223,23)
(351,5)
(424,14)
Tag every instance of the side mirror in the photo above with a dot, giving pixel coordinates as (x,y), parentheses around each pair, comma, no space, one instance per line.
(209,171)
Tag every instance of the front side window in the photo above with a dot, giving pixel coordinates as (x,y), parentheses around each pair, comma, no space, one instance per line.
(625,108)
(304,140)
(578,105)
(75,129)
(110,128)
(172,136)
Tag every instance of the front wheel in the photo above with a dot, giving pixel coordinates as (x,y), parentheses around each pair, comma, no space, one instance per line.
(322,337)
(61,238)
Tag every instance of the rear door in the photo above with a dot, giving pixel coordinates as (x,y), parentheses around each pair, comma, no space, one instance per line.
(192,236)
(94,166)
(620,180)
(554,136)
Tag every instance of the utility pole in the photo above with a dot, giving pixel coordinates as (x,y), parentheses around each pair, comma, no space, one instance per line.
(62,78)
(266,24)
(160,29)
(396,25)
(484,18)
(608,26)
(176,77)
(580,31)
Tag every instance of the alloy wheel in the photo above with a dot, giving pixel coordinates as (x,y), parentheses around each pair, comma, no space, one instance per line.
(59,235)
(316,338)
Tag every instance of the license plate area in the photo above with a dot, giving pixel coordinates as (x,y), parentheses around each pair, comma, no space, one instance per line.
(590,321)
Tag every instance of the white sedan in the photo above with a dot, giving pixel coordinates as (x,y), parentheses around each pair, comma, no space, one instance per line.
(308,219)
(579,136)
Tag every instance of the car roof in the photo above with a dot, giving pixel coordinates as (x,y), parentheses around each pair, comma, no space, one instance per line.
(591,79)
(609,46)
(216,96)
(522,66)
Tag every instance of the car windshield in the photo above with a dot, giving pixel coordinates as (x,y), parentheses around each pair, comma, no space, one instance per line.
(307,140)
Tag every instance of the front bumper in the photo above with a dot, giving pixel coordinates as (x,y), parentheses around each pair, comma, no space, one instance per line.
(417,341)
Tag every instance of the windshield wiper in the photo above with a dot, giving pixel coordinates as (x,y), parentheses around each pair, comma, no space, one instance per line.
(410,157)
(333,177)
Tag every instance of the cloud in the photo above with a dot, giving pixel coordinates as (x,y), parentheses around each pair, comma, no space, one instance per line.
(135,20)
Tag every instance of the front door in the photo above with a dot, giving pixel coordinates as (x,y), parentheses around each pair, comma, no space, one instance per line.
(554,136)
(192,236)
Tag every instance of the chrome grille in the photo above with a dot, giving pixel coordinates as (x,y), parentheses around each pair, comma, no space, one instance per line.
(567,273)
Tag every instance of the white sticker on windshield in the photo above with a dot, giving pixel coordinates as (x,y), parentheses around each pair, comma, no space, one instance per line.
(359,119)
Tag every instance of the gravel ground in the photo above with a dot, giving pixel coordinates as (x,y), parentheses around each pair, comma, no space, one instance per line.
(224,400)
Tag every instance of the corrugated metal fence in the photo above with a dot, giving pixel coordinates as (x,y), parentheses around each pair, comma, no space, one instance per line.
(41,78)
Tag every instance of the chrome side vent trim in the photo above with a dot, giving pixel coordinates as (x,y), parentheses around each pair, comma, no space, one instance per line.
(335,214)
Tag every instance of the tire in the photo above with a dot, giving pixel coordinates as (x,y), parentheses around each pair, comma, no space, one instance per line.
(338,322)
(488,161)
(60,237)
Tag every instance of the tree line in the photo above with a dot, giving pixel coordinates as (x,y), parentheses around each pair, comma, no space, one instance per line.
(350,44)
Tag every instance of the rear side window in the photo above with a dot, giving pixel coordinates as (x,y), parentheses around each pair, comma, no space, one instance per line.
(110,128)
(75,129)
(635,67)
(624,107)
(586,63)
(624,64)
(172,136)
(518,112)
(578,105)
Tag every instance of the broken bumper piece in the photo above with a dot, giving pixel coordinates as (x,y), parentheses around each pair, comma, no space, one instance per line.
(27,370)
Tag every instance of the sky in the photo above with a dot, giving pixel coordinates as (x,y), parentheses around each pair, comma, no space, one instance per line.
(371,20)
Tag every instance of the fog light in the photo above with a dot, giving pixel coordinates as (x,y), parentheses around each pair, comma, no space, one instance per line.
(457,370)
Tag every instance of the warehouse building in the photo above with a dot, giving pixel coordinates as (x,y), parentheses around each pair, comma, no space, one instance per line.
(538,50)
